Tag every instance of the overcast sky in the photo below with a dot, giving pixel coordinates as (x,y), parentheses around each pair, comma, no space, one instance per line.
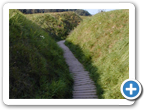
(94,11)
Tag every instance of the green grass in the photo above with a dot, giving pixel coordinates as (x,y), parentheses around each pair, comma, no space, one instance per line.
(101,44)
(37,67)
(58,25)
(85,17)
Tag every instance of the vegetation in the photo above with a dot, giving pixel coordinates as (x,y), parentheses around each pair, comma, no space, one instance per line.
(58,25)
(101,44)
(32,11)
(37,67)
(84,17)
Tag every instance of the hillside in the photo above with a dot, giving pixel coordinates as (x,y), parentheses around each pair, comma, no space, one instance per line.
(101,44)
(77,11)
(58,25)
(37,67)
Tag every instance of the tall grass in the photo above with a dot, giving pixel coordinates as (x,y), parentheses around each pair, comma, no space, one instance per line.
(58,25)
(37,67)
(101,43)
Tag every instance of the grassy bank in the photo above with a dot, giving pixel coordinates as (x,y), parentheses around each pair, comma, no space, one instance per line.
(101,44)
(37,67)
(58,25)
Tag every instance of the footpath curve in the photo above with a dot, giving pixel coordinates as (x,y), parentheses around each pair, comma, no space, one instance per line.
(84,87)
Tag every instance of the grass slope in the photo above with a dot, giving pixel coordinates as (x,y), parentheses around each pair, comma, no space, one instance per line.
(58,25)
(101,43)
(85,17)
(37,67)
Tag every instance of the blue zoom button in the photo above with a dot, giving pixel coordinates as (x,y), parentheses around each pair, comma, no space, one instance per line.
(131,89)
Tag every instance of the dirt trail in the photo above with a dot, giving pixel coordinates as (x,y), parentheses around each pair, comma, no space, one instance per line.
(84,87)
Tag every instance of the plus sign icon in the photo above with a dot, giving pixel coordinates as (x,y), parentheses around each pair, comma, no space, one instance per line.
(131,89)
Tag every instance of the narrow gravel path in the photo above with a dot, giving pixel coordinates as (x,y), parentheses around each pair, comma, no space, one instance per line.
(84,87)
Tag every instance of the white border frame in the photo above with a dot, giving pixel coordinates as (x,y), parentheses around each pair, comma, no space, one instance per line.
(8,6)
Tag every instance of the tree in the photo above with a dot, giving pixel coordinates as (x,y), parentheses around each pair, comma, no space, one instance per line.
(78,11)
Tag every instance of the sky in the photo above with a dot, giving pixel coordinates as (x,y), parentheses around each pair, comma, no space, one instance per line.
(94,11)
